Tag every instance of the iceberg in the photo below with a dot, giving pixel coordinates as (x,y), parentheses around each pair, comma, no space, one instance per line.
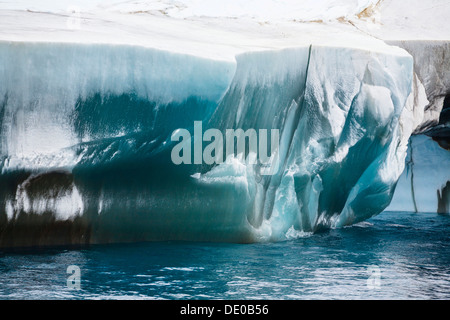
(87,116)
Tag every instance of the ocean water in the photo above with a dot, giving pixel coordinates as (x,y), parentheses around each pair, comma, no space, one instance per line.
(392,256)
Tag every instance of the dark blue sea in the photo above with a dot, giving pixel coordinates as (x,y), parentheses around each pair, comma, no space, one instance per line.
(392,256)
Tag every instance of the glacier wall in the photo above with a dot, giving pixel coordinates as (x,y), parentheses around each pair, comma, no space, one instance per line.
(86,141)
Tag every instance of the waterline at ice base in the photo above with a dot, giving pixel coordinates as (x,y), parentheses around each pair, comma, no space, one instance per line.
(90,103)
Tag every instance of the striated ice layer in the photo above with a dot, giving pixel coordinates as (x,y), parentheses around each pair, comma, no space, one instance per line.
(86,141)
(432,68)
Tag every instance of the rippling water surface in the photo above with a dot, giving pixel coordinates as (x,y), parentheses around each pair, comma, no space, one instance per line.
(393,256)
